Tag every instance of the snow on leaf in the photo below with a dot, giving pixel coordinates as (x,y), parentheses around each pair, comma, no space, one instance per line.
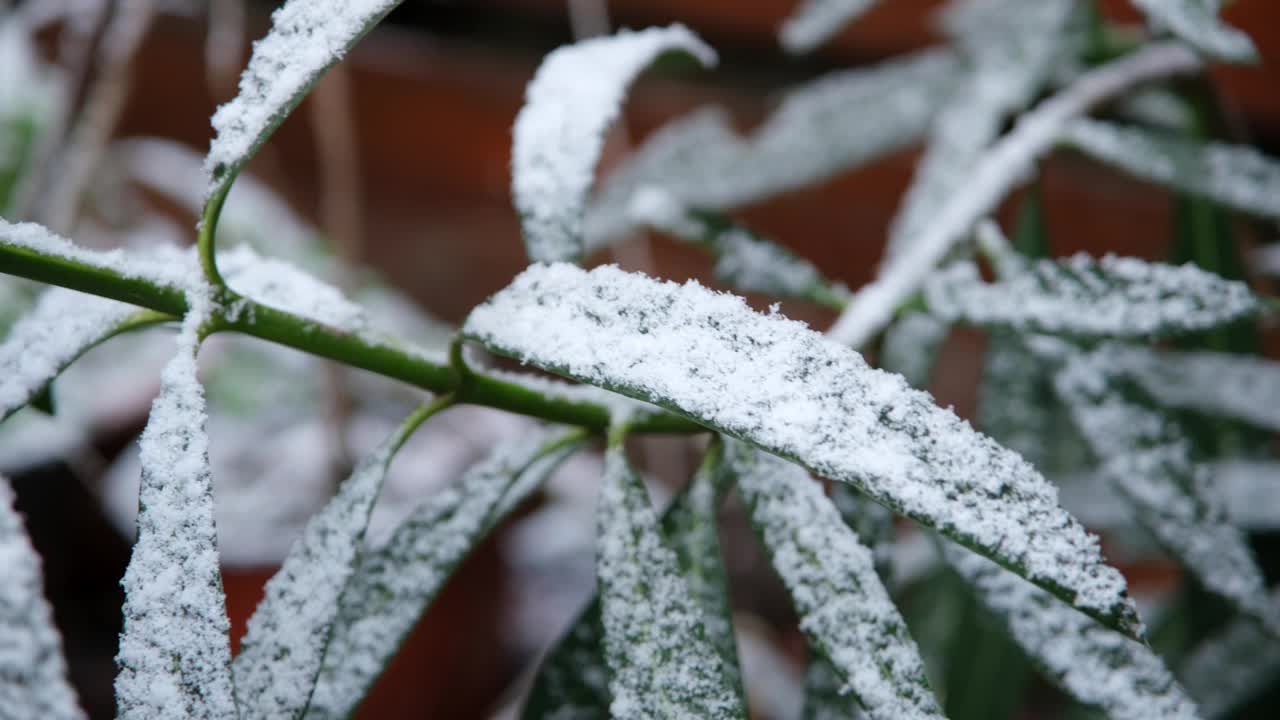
(816,21)
(701,161)
(873,524)
(393,585)
(1111,297)
(1148,459)
(744,260)
(61,327)
(1232,666)
(306,37)
(1237,176)
(33,672)
(778,384)
(1095,665)
(844,609)
(280,656)
(911,346)
(175,656)
(573,678)
(822,697)
(1197,22)
(559,133)
(1241,387)
(663,662)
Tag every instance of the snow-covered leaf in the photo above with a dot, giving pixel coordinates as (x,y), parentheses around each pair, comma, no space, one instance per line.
(910,347)
(60,328)
(776,383)
(1237,176)
(663,659)
(1148,458)
(704,163)
(559,133)
(1096,665)
(816,21)
(175,656)
(33,672)
(844,609)
(306,38)
(393,585)
(573,679)
(1197,22)
(1080,296)
(280,656)
(873,524)
(744,261)
(822,697)
(1242,387)
(1232,666)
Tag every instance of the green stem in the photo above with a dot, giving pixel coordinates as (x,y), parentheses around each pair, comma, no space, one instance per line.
(417,417)
(206,239)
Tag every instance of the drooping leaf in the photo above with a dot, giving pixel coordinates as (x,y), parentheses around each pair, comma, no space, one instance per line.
(704,163)
(1148,459)
(816,21)
(822,697)
(306,38)
(1231,667)
(777,384)
(559,133)
(1197,22)
(33,672)
(745,261)
(393,585)
(284,644)
(1237,176)
(662,658)
(1242,387)
(844,609)
(1080,296)
(1094,664)
(175,656)
(573,679)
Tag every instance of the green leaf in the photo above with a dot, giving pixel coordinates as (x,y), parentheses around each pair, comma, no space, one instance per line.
(745,261)
(559,134)
(844,609)
(1197,23)
(814,22)
(1238,176)
(573,679)
(1083,297)
(1233,666)
(32,665)
(822,697)
(785,388)
(1094,664)
(663,658)
(393,585)
(871,522)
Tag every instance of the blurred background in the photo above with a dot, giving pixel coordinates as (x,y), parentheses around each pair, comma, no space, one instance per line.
(399,163)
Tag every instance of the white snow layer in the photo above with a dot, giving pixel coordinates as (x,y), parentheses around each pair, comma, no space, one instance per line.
(844,609)
(159,268)
(816,21)
(1095,665)
(792,391)
(662,662)
(559,134)
(1242,387)
(306,37)
(1197,22)
(33,673)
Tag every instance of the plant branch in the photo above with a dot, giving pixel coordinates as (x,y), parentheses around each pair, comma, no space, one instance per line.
(207,237)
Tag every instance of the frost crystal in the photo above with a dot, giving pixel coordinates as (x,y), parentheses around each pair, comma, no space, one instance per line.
(307,36)
(1097,666)
(559,133)
(1117,297)
(778,384)
(844,609)
(662,660)
(1237,176)
(1196,21)
(175,657)
(33,673)
(816,21)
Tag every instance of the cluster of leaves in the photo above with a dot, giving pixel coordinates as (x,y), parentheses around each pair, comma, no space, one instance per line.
(1070,362)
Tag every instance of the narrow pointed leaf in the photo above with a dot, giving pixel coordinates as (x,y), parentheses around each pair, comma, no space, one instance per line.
(1197,22)
(560,132)
(1231,667)
(573,679)
(1111,297)
(33,671)
(393,585)
(1097,666)
(871,522)
(814,22)
(1236,176)
(781,386)
(175,656)
(1241,387)
(306,38)
(663,662)
(1147,458)
(822,697)
(844,609)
